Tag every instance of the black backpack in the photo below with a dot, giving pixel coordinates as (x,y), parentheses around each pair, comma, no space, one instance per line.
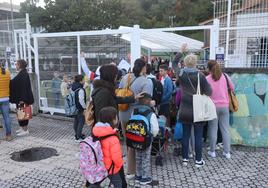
(157,91)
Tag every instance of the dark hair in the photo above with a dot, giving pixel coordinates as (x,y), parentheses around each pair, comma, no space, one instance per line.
(107,115)
(148,69)
(108,73)
(215,69)
(163,66)
(78,78)
(138,66)
(22,63)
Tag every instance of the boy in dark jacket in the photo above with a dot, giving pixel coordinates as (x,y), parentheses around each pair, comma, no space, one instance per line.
(80,102)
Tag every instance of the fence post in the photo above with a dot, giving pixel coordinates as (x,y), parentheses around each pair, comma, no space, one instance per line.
(78,54)
(214,38)
(135,44)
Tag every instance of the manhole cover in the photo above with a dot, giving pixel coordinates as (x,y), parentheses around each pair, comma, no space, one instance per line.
(34,154)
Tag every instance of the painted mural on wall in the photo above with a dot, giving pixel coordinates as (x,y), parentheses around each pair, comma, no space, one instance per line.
(249,125)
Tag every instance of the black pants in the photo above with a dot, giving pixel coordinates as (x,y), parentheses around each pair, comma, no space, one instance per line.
(24,123)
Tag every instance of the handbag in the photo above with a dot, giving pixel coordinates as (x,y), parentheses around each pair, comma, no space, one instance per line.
(24,112)
(125,92)
(89,114)
(233,102)
(178,131)
(203,107)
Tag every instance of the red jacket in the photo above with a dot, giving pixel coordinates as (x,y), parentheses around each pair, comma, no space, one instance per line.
(110,146)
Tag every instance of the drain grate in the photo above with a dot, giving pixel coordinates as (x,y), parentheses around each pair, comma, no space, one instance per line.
(34,154)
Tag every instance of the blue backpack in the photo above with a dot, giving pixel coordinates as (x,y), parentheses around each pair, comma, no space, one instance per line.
(69,104)
(138,129)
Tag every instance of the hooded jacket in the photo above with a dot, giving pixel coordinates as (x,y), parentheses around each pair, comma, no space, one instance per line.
(110,146)
(103,95)
(80,96)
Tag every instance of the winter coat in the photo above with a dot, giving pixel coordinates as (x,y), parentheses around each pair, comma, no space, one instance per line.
(110,147)
(186,105)
(20,88)
(4,84)
(103,95)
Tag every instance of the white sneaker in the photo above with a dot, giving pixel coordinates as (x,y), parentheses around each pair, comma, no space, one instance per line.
(130,176)
(23,133)
(185,162)
(212,154)
(19,130)
(226,155)
(199,164)
(78,140)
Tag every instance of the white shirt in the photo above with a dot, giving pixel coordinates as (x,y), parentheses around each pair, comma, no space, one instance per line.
(154,125)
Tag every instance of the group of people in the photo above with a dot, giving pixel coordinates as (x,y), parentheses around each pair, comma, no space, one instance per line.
(17,91)
(107,115)
(108,118)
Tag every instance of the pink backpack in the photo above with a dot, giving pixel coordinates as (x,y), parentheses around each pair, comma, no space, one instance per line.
(91,160)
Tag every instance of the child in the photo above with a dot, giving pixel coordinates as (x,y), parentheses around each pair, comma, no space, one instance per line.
(80,102)
(143,162)
(112,154)
(65,86)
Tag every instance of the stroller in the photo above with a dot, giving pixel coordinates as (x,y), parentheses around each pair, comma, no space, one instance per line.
(160,142)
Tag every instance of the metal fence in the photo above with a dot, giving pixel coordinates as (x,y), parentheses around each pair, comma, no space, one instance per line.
(244,32)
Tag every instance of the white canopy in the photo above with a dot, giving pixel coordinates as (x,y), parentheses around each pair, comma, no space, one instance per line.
(158,41)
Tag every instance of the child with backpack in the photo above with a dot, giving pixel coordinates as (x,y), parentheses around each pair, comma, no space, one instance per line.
(140,130)
(79,94)
(106,131)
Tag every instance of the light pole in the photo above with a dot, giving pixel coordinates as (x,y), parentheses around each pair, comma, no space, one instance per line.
(214,8)
(12,18)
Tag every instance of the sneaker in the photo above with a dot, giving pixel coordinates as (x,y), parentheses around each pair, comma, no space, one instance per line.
(138,178)
(185,162)
(212,154)
(219,145)
(8,138)
(19,130)
(23,133)
(78,140)
(226,155)
(191,156)
(130,176)
(145,181)
(199,164)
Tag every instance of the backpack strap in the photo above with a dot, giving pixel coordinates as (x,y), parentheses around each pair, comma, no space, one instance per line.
(96,160)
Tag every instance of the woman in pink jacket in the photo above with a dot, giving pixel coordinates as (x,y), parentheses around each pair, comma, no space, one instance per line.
(220,97)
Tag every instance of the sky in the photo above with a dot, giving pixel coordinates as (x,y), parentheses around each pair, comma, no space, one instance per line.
(17,2)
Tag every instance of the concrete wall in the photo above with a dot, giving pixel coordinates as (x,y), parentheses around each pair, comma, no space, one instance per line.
(249,126)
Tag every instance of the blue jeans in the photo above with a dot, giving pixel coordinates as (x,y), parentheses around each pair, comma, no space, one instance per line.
(198,135)
(4,108)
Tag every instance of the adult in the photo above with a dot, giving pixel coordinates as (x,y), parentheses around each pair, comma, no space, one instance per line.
(220,97)
(188,79)
(177,63)
(21,93)
(139,84)
(103,94)
(4,100)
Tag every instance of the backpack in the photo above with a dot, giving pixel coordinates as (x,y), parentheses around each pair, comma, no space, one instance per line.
(69,104)
(138,129)
(157,91)
(91,160)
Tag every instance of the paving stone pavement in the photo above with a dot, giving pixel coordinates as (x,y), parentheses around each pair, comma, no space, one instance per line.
(248,167)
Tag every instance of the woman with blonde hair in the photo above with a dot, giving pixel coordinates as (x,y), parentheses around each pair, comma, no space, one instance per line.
(219,83)
(188,80)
